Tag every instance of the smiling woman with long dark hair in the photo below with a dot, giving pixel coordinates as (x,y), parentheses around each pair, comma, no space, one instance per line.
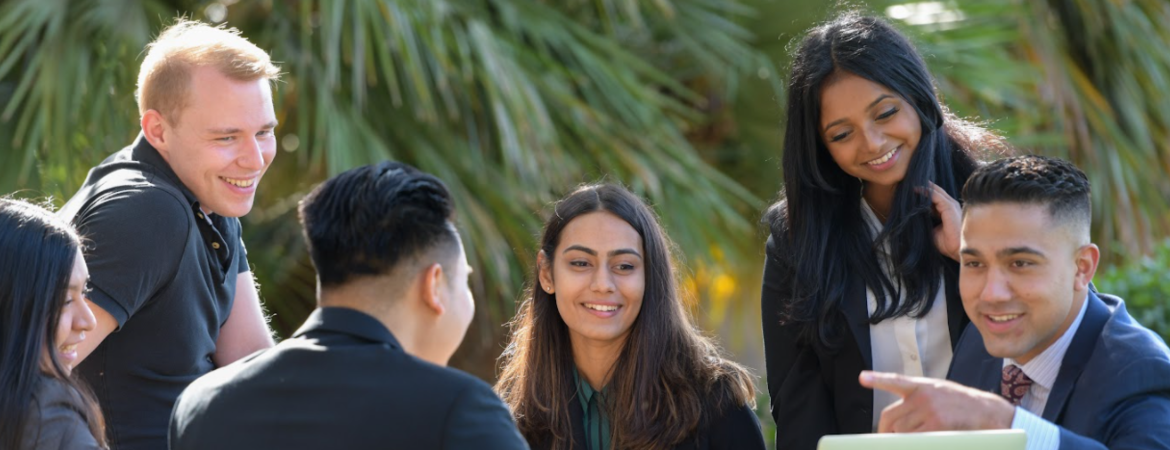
(43,316)
(861,269)
(603,354)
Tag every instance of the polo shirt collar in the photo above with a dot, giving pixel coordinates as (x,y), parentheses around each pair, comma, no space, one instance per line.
(145,153)
(348,321)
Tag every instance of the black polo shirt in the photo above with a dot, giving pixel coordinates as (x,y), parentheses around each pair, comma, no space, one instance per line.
(167,273)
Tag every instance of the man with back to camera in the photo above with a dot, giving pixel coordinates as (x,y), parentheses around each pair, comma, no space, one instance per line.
(1068,365)
(172,291)
(367,370)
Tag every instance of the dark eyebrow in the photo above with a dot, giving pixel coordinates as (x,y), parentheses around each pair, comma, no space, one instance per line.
(1006,252)
(580,248)
(871,105)
(612,253)
(1017,250)
(880,98)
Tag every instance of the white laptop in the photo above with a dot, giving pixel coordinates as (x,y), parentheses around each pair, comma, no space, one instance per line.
(948,440)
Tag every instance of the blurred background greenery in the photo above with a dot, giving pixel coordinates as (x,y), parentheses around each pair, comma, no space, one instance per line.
(513,102)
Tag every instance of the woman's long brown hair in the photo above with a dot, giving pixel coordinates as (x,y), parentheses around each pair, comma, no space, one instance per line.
(667,381)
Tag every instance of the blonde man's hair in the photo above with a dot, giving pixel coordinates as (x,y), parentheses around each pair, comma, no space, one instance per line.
(165,77)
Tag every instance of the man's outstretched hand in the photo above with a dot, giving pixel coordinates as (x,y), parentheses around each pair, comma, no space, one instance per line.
(929,404)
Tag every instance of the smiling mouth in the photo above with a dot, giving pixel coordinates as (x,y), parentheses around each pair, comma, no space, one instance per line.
(1003,318)
(67,348)
(604,308)
(244,183)
(886,157)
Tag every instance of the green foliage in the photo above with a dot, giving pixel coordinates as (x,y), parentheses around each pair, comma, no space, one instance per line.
(1082,80)
(511,102)
(1144,284)
(67,77)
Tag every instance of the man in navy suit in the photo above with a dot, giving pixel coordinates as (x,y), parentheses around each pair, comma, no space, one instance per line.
(1068,365)
(367,370)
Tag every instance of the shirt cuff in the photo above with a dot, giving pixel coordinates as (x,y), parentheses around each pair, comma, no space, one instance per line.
(1042,434)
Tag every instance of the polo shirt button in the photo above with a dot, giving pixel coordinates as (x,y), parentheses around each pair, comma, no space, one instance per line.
(215,245)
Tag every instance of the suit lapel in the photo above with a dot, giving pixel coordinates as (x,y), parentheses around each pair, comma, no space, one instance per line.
(990,370)
(856,311)
(849,391)
(1077,355)
(577,419)
(973,366)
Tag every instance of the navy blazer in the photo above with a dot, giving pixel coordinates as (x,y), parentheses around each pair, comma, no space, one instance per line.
(1113,388)
(814,388)
(342,381)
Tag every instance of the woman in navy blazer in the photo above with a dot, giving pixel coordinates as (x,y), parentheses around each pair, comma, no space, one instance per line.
(863,247)
(604,354)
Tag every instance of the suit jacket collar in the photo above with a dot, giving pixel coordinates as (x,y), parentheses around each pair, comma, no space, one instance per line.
(348,321)
(857,315)
(1075,359)
(577,419)
(990,368)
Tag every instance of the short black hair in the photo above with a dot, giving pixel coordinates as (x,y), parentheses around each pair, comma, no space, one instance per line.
(368,220)
(1032,179)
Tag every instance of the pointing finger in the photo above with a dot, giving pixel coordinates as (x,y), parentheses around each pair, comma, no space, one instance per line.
(890,382)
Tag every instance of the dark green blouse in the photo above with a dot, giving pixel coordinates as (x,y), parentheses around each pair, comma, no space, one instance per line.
(597,431)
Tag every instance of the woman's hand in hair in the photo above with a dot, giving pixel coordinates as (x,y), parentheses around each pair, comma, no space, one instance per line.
(946,233)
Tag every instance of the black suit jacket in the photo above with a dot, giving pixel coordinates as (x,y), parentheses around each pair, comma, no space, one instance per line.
(735,429)
(342,381)
(1113,388)
(814,389)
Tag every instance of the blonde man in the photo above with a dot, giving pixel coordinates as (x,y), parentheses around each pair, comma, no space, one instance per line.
(171,287)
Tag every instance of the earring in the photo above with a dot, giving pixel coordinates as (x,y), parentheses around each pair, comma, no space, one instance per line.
(548,289)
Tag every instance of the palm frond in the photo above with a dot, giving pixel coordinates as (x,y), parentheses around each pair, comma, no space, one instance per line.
(1079,80)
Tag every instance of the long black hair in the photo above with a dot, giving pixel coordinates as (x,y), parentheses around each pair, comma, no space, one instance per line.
(37,252)
(667,380)
(819,221)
